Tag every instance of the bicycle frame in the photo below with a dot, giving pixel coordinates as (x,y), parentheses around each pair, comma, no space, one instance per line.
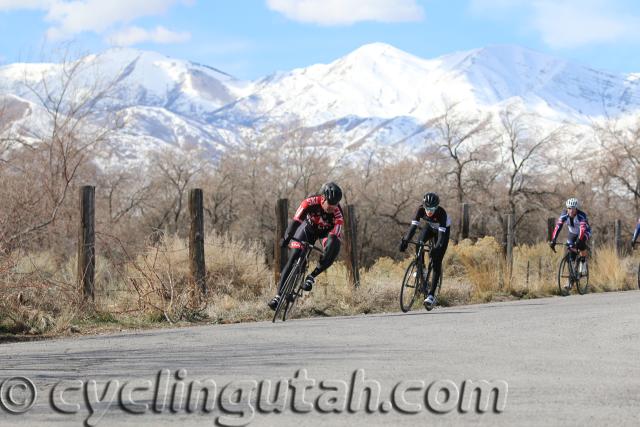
(423,247)
(292,286)
(574,273)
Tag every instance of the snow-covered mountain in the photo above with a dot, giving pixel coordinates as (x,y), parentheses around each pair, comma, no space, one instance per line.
(375,95)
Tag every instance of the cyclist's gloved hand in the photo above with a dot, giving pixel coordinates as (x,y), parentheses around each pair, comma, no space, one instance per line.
(285,242)
(403,245)
(552,245)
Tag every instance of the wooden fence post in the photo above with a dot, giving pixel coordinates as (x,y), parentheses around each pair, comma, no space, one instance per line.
(465,220)
(510,239)
(551,224)
(86,242)
(539,269)
(618,236)
(279,254)
(196,241)
(351,245)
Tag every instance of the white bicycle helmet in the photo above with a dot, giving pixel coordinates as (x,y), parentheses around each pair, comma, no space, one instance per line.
(572,203)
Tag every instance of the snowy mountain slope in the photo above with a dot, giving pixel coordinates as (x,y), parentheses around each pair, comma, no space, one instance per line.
(376,96)
(378,80)
(138,77)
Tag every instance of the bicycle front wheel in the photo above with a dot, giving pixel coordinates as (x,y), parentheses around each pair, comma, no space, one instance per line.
(287,290)
(564,276)
(410,286)
(293,296)
(582,281)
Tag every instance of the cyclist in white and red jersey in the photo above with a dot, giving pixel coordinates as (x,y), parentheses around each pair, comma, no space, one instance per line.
(577,227)
(318,217)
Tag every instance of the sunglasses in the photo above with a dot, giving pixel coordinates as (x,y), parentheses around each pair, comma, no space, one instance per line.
(431,209)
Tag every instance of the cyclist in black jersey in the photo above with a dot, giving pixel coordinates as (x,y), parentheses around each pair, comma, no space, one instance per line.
(438,228)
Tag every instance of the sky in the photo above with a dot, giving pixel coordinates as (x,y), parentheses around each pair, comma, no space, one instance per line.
(250,39)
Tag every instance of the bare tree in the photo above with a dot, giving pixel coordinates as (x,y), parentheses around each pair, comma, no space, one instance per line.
(523,163)
(465,140)
(621,160)
(125,192)
(173,171)
(53,145)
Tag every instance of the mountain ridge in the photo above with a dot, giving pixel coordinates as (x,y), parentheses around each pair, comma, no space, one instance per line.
(376,95)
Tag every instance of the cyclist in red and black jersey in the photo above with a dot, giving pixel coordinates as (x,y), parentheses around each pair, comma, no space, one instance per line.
(438,228)
(318,217)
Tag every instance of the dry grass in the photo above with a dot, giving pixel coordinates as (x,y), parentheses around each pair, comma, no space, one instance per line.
(35,296)
(38,292)
(612,273)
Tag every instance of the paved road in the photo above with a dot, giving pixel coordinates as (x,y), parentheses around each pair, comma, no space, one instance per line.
(567,361)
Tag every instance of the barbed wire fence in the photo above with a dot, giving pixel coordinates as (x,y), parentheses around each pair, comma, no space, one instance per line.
(171,277)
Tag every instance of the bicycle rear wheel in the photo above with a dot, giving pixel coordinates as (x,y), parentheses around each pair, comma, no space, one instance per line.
(582,282)
(565,276)
(427,283)
(410,287)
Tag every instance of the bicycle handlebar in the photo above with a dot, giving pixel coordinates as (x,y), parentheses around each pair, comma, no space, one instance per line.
(425,245)
(570,246)
(308,245)
(564,244)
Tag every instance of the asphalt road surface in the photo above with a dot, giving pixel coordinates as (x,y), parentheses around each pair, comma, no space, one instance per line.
(552,361)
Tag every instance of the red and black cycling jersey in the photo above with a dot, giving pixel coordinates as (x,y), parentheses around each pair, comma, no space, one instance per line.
(310,210)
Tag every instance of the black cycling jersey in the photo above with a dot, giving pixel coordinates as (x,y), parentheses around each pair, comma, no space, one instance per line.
(439,221)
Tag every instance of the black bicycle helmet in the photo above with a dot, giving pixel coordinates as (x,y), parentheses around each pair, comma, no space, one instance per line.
(430,200)
(331,192)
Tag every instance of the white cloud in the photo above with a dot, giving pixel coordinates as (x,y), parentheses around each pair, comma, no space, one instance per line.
(135,35)
(68,18)
(582,22)
(6,5)
(346,12)
(571,23)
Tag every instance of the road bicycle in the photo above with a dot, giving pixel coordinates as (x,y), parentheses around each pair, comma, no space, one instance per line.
(292,287)
(416,280)
(572,272)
